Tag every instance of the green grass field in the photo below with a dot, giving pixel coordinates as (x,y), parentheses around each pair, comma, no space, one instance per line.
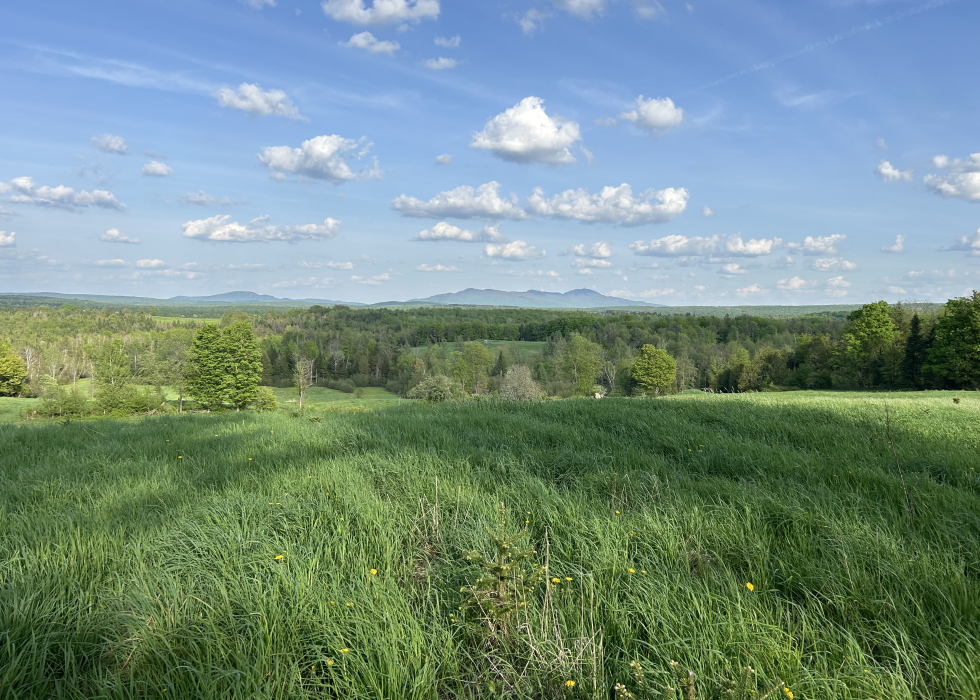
(244,555)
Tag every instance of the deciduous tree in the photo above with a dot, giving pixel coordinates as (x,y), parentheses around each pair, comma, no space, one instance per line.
(654,369)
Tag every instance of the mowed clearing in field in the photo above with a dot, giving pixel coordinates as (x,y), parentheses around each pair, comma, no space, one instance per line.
(249,555)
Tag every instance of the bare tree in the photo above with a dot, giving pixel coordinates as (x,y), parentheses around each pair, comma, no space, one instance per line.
(303,376)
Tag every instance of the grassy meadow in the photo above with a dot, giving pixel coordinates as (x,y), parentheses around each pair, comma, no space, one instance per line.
(244,555)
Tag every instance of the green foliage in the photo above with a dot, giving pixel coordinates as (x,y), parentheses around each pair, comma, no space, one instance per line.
(112,366)
(242,365)
(265,400)
(867,337)
(207,367)
(955,352)
(437,388)
(471,367)
(519,385)
(13,371)
(654,369)
(580,362)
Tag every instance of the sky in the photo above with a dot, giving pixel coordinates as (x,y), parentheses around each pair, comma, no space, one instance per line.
(675,152)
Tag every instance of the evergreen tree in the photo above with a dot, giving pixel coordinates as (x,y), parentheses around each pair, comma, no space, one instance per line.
(916,349)
(503,363)
(955,351)
(242,362)
(654,369)
(581,363)
(13,371)
(206,376)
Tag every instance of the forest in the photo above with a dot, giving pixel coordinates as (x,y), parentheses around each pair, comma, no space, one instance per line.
(46,351)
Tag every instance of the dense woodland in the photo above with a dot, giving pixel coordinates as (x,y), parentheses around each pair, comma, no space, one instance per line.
(878,346)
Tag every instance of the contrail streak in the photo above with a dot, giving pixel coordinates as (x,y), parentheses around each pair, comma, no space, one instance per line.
(824,43)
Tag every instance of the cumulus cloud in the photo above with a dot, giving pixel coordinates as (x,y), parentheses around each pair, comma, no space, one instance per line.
(898,246)
(581,8)
(794,284)
(443,231)
(889,173)
(675,245)
(381,11)
(59,197)
(516,250)
(464,202)
(436,268)
(150,263)
(782,262)
(896,290)
(258,4)
(7,240)
(530,21)
(733,269)
(114,235)
(614,205)
(655,115)
(321,158)
(218,228)
(440,63)
(838,282)
(444,159)
(819,245)
(751,291)
(368,42)
(596,250)
(374,280)
(827,264)
(526,134)
(108,143)
(648,9)
(203,199)
(157,169)
(706,212)
(340,265)
(882,144)
(114,262)
(962,181)
(752,247)
(251,98)
(966,243)
(448,42)
(591,262)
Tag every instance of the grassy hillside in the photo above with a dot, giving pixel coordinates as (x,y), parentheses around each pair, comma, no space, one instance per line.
(244,555)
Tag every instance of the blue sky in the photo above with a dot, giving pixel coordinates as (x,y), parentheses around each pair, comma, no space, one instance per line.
(675,152)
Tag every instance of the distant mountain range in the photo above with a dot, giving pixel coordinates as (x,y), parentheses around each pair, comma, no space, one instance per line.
(251,298)
(532,298)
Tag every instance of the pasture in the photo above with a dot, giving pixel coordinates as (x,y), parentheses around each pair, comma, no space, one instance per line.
(243,555)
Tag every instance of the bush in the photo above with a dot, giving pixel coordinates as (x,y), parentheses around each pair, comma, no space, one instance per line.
(265,400)
(344,385)
(437,388)
(519,385)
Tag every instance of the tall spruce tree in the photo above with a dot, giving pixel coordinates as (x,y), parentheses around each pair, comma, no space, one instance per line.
(955,351)
(916,349)
(242,365)
(206,376)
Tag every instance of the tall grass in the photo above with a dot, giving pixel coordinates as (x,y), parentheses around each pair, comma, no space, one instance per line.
(142,559)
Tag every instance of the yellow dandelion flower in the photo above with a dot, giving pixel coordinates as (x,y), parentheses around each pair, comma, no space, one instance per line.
(179,457)
(632,571)
(329,662)
(750,586)
(374,572)
(643,571)
(568,578)
(278,557)
(345,650)
(331,602)
(350,605)
(617,512)
(789,693)
(555,580)
(249,459)
(569,684)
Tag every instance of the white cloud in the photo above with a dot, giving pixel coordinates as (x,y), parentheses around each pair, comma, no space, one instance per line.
(115,262)
(203,199)
(898,247)
(581,8)
(157,169)
(889,173)
(440,63)
(436,268)
(585,271)
(819,245)
(733,269)
(676,245)
(530,21)
(838,282)
(443,231)
(5,213)
(896,290)
(59,197)
(752,247)
(653,293)
(962,181)
(217,228)
(448,42)
(114,235)
(252,99)
(648,9)
(321,158)
(526,134)
(368,42)
(591,262)
(340,265)
(444,159)
(108,143)
(374,280)
(151,263)
(381,11)
(751,291)
(463,202)
(533,273)
(827,264)
(655,115)
(614,205)
(706,212)
(605,121)
(150,153)
(782,263)
(310,265)
(516,250)
(600,249)
(880,143)
(258,4)
(7,239)
(794,284)
(965,243)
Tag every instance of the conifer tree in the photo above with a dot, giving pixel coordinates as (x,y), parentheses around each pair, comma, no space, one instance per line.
(242,361)
(206,378)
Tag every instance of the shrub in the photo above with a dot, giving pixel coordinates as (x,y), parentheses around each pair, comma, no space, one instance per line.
(437,388)
(265,400)
(344,385)
(519,385)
